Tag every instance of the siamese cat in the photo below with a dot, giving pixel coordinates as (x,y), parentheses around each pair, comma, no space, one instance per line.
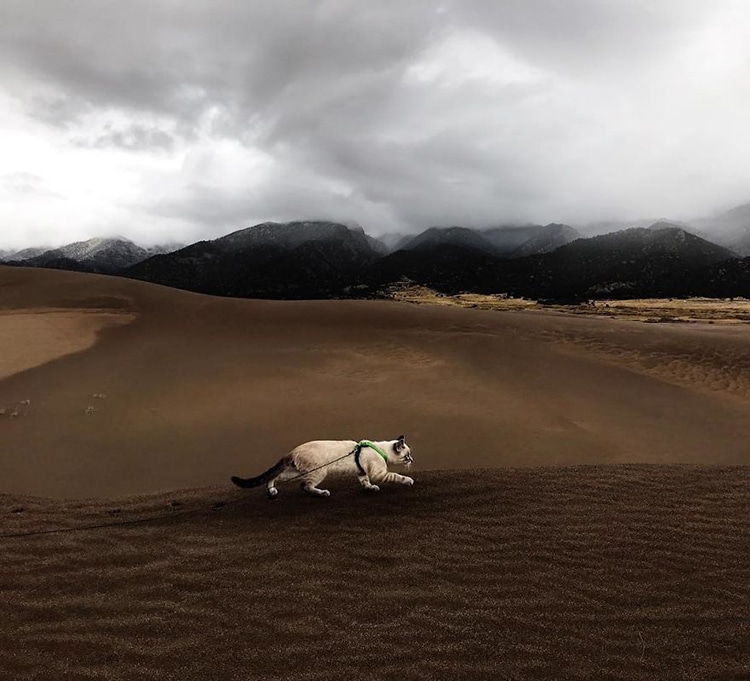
(312,461)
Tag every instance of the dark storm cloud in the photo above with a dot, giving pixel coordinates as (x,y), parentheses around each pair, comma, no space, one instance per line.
(183,59)
(397,114)
(586,35)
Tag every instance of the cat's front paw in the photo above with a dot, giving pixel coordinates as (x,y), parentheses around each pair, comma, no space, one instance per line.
(408,481)
(373,488)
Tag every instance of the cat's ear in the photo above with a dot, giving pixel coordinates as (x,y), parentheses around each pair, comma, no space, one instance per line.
(400,443)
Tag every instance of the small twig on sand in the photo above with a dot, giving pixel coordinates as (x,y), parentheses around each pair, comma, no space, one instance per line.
(643,646)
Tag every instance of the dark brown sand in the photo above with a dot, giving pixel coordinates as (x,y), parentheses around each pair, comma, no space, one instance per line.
(198,388)
(596,572)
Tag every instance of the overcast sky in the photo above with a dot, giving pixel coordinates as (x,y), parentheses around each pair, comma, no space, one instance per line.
(167,120)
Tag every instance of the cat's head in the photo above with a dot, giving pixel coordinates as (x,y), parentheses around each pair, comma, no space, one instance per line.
(402,453)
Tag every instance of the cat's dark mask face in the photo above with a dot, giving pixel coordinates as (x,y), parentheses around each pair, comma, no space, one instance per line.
(403,451)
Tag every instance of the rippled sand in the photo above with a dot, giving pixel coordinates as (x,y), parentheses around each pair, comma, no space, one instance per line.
(598,572)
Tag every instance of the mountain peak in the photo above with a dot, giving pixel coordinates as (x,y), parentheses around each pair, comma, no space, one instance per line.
(453,236)
(288,234)
(99,254)
(665,224)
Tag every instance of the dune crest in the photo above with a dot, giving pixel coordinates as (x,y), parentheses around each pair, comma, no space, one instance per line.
(29,339)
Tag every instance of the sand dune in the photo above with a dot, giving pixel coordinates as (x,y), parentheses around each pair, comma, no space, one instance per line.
(611,572)
(512,572)
(198,388)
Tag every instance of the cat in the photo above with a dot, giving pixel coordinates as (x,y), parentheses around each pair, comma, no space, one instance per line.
(312,461)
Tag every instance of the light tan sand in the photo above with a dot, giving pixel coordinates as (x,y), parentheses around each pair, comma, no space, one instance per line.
(28,339)
(632,573)
(199,388)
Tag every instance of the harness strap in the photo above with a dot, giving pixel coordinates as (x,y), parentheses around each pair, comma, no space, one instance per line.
(362,444)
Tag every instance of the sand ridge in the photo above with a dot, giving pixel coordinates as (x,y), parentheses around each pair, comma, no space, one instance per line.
(28,339)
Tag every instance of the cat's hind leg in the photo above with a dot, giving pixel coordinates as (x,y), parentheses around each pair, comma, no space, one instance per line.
(289,473)
(311,482)
(271,490)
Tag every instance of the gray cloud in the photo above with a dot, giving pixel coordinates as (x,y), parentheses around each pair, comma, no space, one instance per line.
(26,184)
(133,137)
(397,115)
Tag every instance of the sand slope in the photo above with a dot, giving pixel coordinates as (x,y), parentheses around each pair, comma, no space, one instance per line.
(29,339)
(616,572)
(198,388)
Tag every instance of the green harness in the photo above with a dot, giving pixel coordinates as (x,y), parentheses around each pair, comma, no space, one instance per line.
(362,444)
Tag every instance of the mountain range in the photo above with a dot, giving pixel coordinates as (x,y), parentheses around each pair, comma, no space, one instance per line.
(318,259)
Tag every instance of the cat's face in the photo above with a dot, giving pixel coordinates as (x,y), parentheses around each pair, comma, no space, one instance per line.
(402,451)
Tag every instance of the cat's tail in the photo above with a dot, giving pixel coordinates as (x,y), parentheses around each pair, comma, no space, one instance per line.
(273,472)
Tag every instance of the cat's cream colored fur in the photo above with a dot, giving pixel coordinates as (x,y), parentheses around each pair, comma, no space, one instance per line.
(319,458)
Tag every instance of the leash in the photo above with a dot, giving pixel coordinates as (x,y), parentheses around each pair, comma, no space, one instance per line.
(182,514)
(312,470)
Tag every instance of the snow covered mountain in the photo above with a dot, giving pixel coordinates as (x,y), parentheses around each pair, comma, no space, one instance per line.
(7,256)
(103,255)
(93,255)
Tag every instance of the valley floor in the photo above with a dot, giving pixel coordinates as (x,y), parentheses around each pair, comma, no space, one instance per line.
(692,310)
